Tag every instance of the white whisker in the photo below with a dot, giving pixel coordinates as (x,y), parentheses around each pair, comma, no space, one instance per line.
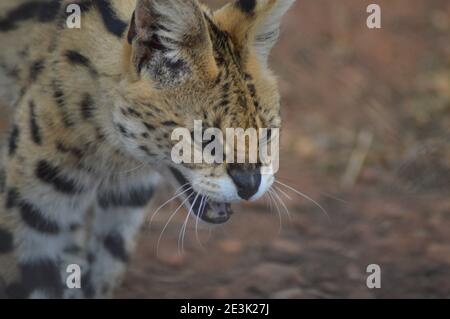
(205,199)
(280,219)
(336,198)
(181,235)
(168,222)
(305,196)
(283,192)
(183,228)
(278,197)
(170,200)
(132,169)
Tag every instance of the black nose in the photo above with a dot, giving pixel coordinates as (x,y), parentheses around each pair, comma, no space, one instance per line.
(247,180)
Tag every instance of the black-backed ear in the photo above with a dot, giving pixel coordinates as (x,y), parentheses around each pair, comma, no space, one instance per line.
(254,24)
(168,38)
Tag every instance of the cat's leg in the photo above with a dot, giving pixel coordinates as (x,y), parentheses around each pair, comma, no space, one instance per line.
(120,212)
(48,204)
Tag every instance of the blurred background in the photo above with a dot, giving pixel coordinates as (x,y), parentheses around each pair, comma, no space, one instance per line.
(366,135)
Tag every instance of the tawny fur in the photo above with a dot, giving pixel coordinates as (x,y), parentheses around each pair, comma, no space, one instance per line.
(89,123)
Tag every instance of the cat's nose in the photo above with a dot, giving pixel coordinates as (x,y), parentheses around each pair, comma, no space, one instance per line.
(247,179)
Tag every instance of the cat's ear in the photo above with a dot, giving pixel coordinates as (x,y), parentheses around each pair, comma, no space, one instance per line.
(254,24)
(168,37)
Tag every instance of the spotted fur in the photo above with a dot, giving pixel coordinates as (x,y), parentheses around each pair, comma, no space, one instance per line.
(94,109)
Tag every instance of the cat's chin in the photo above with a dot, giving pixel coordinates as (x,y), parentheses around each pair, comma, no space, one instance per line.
(207,210)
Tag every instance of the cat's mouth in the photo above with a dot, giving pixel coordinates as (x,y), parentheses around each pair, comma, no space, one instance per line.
(206,209)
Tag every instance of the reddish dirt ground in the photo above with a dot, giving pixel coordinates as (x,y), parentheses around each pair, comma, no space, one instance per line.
(349,93)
